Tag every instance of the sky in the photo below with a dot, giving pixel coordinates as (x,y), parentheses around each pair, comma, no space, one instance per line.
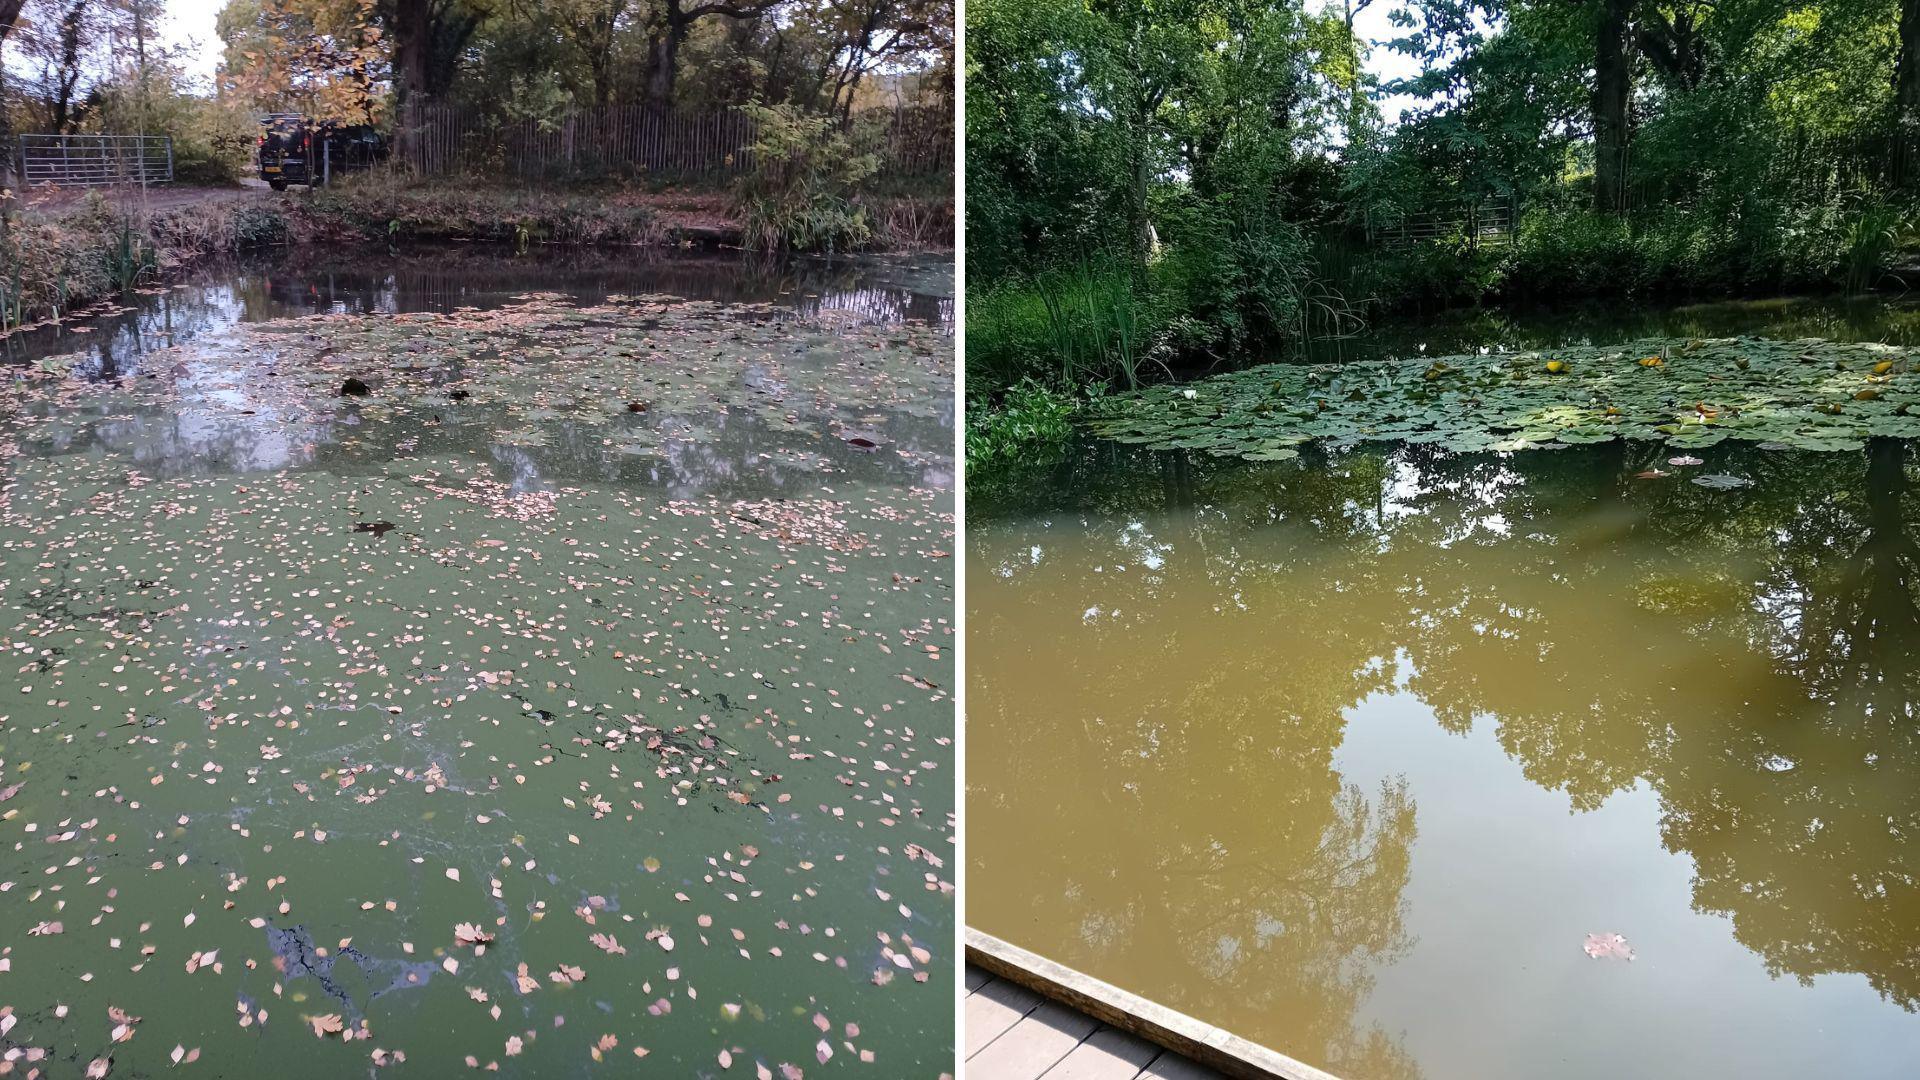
(1374,26)
(190,23)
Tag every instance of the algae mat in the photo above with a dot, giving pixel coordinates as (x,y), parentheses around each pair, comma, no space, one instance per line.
(544,689)
(1804,395)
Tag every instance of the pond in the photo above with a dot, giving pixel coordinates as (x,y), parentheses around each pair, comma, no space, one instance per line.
(1418,763)
(473,662)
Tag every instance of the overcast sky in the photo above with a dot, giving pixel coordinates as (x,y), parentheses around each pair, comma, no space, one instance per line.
(190,23)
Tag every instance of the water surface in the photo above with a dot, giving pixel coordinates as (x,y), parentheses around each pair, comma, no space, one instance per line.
(1352,754)
(569,694)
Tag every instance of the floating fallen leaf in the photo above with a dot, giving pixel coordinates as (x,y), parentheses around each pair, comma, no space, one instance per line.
(1607,947)
(470,934)
(323,1026)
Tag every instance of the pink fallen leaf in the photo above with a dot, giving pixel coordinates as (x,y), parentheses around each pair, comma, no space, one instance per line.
(1608,947)
(330,1024)
(470,934)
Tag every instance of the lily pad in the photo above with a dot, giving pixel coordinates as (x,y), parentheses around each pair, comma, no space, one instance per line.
(1721,481)
(1803,395)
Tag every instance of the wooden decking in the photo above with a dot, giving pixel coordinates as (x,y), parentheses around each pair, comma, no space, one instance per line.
(1028,1017)
(1013,1033)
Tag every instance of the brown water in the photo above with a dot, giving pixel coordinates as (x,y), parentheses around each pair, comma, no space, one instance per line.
(1351,755)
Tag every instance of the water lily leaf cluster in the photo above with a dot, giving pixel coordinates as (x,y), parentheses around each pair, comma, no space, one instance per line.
(1807,394)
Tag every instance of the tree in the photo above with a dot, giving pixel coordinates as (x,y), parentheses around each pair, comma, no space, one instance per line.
(1612,93)
(594,26)
(9,20)
(1906,95)
(325,58)
(673,21)
(61,41)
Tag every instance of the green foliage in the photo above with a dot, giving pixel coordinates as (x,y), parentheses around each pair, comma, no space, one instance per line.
(1840,240)
(1028,419)
(1029,427)
(1075,325)
(1042,171)
(1226,162)
(1143,180)
(1874,237)
(803,190)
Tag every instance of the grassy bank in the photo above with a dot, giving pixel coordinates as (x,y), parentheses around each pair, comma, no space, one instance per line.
(1095,323)
(1040,342)
(55,261)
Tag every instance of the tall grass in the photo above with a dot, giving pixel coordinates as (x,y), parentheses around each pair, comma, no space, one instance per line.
(1875,236)
(1077,325)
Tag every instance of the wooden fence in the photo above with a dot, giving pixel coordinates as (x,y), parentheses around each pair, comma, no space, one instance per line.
(916,142)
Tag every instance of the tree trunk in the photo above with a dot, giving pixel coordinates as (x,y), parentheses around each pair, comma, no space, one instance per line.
(602,66)
(9,14)
(663,54)
(1138,224)
(1906,98)
(412,47)
(1612,88)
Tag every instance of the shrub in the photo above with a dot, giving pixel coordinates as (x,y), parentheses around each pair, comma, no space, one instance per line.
(1029,427)
(802,192)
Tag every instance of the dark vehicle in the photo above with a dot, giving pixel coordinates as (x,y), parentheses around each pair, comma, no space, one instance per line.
(295,150)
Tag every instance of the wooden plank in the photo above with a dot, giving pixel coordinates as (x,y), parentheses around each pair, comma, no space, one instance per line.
(1109,1054)
(1034,1045)
(976,978)
(996,1007)
(1171,1066)
(1206,1044)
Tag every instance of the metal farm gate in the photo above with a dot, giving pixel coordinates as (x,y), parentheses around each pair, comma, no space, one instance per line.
(96,160)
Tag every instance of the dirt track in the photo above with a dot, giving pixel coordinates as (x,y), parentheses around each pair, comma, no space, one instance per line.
(158,197)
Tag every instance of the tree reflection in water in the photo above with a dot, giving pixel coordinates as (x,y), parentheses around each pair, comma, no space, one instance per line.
(1176,645)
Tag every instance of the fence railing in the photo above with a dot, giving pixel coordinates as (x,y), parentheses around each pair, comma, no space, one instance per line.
(1477,225)
(95,160)
(446,138)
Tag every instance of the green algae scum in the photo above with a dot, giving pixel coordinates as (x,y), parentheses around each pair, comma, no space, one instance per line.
(547,685)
